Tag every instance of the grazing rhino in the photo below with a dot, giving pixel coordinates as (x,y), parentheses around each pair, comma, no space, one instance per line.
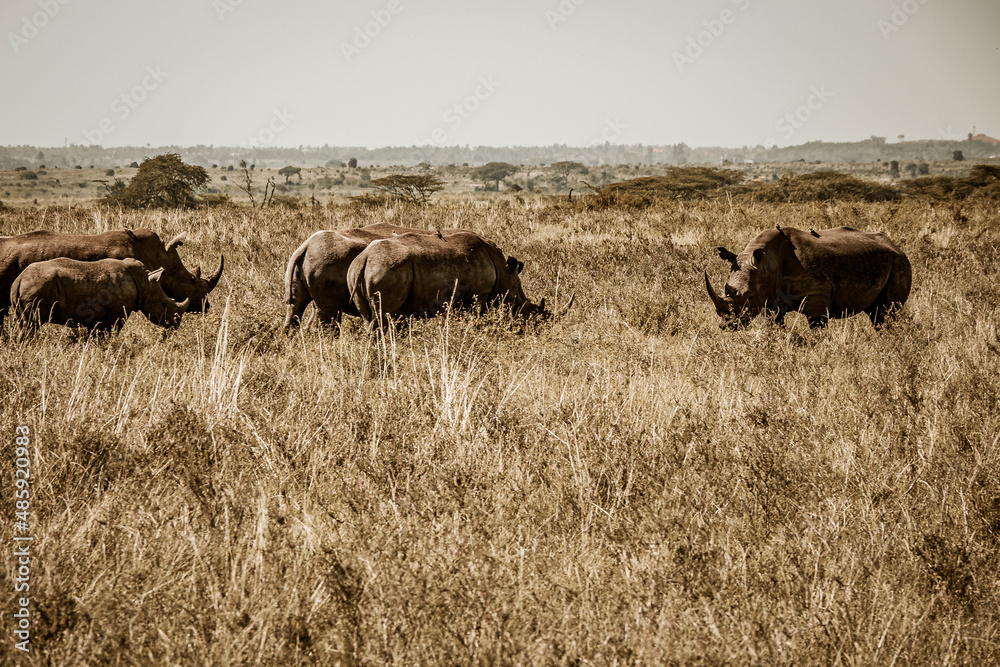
(99,295)
(419,274)
(17,252)
(833,273)
(317,270)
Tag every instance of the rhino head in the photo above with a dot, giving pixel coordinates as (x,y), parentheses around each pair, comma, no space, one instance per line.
(744,292)
(178,282)
(159,308)
(520,303)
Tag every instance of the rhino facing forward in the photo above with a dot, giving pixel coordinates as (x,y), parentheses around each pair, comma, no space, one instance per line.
(415,274)
(98,295)
(317,270)
(18,252)
(833,273)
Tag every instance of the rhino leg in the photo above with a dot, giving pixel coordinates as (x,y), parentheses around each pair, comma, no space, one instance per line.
(326,317)
(816,308)
(293,313)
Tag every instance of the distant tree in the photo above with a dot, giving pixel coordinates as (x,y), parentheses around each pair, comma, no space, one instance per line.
(493,172)
(134,165)
(911,169)
(923,169)
(288,172)
(565,167)
(353,163)
(415,189)
(109,172)
(957,156)
(161,182)
(334,163)
(894,168)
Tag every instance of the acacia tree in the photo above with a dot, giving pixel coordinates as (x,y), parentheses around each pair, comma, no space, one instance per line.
(288,172)
(415,189)
(493,172)
(161,182)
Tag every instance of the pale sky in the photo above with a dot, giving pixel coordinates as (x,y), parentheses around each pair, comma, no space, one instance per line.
(521,72)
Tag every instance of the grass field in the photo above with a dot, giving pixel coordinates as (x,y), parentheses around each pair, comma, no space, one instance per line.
(628,484)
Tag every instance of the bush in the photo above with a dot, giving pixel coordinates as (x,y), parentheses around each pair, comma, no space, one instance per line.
(162,182)
(678,183)
(818,186)
(28,175)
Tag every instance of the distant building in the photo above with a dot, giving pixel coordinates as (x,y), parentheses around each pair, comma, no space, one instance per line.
(985,139)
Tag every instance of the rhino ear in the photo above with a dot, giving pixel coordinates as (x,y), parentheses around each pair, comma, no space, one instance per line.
(154,276)
(514,266)
(728,256)
(757,258)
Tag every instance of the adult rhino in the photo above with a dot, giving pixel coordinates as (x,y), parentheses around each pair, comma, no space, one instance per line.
(17,252)
(419,274)
(99,295)
(317,270)
(833,273)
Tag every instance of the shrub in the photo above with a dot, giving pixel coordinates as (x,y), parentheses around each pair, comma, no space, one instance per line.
(28,175)
(162,182)
(818,186)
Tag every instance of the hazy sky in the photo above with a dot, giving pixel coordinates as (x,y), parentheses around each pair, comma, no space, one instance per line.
(526,72)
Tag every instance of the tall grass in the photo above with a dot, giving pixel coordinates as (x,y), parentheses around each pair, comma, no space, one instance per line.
(627,484)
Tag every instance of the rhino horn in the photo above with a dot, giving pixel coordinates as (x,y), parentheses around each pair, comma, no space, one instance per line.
(183,305)
(721,307)
(565,309)
(197,272)
(176,241)
(213,279)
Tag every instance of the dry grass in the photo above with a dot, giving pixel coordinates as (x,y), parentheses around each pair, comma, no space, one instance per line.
(628,484)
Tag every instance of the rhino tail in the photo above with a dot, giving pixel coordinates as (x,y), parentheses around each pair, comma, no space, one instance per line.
(293,274)
(356,287)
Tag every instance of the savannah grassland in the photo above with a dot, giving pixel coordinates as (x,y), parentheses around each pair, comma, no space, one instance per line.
(627,484)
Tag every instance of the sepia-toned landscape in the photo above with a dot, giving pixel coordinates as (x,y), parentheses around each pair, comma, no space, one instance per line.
(626,483)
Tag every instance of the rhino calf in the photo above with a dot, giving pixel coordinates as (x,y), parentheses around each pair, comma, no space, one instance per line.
(98,295)
(832,273)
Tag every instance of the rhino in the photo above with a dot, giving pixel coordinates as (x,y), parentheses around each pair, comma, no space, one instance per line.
(317,270)
(99,295)
(421,275)
(833,273)
(17,252)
